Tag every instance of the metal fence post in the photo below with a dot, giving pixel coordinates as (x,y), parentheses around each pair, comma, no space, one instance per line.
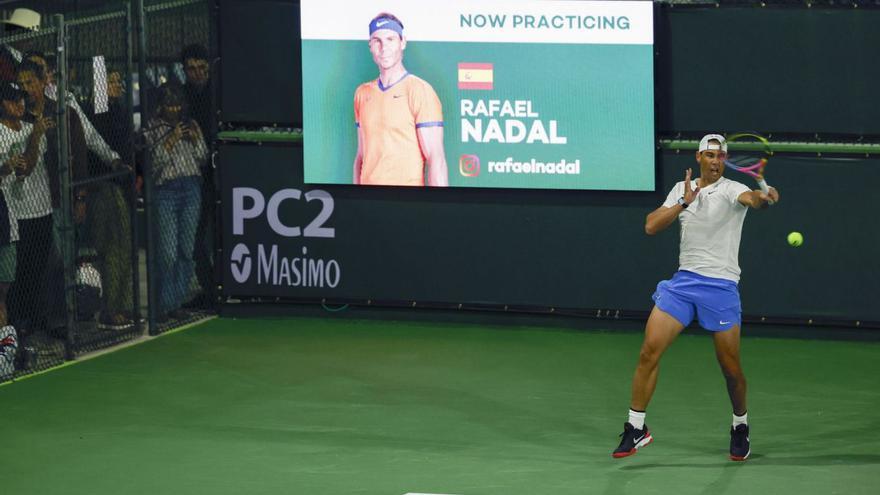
(143,86)
(135,228)
(67,234)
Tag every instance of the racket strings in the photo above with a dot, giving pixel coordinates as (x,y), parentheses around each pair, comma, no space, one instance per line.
(751,153)
(750,165)
(749,161)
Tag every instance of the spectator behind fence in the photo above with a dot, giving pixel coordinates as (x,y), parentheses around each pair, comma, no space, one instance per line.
(94,141)
(21,21)
(178,152)
(30,202)
(33,79)
(108,223)
(56,303)
(114,123)
(197,67)
(14,135)
(197,89)
(109,227)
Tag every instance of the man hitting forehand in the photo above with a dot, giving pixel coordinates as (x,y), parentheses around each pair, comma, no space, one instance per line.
(711,211)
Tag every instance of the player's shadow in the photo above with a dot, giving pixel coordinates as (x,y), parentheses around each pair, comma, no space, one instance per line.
(769,460)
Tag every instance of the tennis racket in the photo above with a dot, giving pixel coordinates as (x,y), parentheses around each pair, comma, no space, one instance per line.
(749,153)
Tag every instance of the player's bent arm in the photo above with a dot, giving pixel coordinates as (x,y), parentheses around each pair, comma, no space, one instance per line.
(431,142)
(358,159)
(758,199)
(661,218)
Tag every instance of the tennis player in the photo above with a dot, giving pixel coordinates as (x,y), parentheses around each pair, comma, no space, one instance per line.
(711,210)
(399,118)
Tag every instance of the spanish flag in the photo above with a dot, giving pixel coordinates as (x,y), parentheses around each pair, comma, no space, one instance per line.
(475,75)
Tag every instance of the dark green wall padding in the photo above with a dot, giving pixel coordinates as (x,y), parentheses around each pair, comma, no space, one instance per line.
(781,70)
(329,407)
(841,148)
(804,73)
(572,249)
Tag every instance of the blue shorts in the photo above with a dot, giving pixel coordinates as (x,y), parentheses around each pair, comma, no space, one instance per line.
(715,301)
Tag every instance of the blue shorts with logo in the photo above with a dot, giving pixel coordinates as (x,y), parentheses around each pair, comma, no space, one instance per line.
(714,301)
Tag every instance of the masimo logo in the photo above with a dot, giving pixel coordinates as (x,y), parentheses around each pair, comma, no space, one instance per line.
(273,260)
(240,263)
(469,165)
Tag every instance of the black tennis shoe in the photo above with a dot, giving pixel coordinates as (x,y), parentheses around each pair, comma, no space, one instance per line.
(632,440)
(739,443)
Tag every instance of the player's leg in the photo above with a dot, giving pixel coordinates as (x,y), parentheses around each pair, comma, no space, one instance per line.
(660,331)
(727,350)
(720,311)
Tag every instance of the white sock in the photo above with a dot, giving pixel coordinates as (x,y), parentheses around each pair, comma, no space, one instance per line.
(637,419)
(740,420)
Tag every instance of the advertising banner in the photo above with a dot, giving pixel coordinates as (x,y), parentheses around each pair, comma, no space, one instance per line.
(466,93)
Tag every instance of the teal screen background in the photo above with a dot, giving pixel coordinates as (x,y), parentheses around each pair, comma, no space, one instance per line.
(602,97)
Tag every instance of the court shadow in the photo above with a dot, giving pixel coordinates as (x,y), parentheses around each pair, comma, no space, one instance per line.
(768,460)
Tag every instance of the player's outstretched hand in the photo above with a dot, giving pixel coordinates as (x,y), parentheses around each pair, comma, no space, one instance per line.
(690,195)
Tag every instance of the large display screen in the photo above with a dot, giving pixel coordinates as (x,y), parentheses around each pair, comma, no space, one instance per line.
(468,93)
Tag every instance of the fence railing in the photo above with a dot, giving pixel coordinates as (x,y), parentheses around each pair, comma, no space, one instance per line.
(106,131)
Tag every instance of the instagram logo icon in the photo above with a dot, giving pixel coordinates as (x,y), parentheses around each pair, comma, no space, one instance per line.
(469,165)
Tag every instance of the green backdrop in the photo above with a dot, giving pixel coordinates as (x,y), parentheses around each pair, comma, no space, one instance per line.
(797,71)
(565,249)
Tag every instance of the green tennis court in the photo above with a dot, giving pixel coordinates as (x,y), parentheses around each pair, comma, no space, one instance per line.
(338,406)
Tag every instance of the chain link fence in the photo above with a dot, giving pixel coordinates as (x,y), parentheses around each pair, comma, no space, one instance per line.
(107,201)
(178,132)
(32,164)
(99,52)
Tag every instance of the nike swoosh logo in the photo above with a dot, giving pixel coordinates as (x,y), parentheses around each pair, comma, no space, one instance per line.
(711,193)
(723,322)
(637,440)
(382,23)
(397,96)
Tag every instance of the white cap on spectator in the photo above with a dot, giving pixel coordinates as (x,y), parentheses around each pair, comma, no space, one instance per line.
(24,18)
(704,143)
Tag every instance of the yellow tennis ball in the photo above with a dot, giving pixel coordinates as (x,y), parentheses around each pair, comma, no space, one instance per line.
(795,239)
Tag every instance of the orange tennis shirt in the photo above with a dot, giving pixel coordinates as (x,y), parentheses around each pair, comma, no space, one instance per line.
(388,118)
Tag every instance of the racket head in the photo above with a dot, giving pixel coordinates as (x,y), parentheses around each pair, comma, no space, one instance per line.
(748,153)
